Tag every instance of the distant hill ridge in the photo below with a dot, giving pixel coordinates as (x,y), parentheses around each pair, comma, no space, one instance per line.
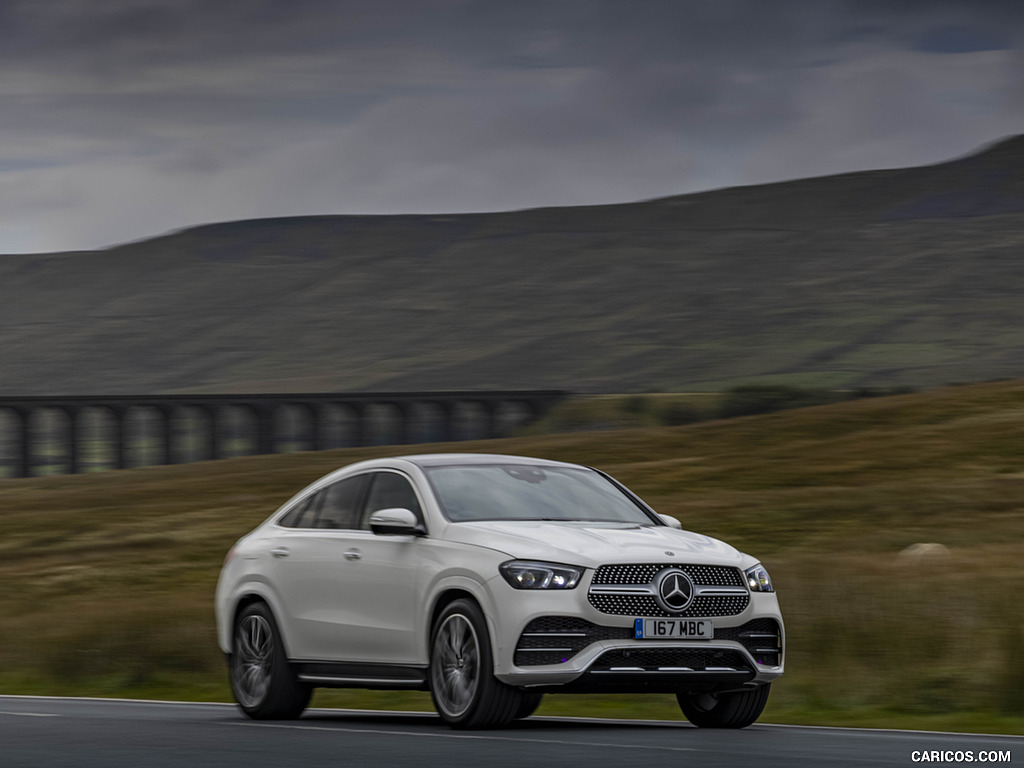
(896,277)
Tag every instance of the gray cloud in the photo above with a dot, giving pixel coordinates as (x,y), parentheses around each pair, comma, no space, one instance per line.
(124,118)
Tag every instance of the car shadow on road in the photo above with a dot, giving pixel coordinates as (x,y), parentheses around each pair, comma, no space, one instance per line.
(430,720)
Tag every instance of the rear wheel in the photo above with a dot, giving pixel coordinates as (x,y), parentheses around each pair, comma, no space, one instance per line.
(465,692)
(261,679)
(735,709)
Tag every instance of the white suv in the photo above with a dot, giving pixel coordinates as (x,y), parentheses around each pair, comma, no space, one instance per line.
(491,580)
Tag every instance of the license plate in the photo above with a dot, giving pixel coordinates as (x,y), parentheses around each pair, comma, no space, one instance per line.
(676,629)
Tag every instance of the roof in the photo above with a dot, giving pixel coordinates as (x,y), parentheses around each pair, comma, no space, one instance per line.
(442,459)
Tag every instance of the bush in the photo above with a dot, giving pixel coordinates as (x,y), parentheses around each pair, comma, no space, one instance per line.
(677,414)
(751,399)
(634,404)
(862,392)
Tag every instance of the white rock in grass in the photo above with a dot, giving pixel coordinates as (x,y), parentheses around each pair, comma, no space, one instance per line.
(924,551)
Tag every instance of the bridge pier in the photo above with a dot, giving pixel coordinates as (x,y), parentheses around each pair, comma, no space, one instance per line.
(166,434)
(24,465)
(71,450)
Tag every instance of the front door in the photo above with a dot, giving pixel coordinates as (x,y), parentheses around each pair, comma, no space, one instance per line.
(380,597)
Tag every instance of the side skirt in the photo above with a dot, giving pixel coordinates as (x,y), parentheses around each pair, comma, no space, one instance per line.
(343,674)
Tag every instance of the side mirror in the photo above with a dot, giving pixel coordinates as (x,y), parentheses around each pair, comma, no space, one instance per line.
(395,522)
(671,522)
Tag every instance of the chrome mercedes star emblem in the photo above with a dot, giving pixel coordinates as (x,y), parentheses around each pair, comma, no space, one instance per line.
(675,590)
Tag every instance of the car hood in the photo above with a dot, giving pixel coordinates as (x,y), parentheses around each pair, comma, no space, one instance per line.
(593,544)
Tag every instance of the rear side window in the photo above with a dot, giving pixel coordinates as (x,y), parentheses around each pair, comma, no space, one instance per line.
(302,514)
(387,492)
(340,503)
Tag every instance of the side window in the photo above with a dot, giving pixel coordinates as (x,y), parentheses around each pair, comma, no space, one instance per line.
(340,503)
(302,514)
(387,491)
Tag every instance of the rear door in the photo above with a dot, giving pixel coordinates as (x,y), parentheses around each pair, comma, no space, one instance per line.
(306,568)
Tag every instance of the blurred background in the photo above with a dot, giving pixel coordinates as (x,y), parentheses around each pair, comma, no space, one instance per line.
(769,255)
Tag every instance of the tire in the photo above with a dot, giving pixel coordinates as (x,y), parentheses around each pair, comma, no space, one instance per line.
(261,679)
(465,692)
(736,709)
(528,705)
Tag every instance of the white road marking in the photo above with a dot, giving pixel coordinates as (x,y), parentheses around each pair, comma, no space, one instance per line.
(422,734)
(863,729)
(29,714)
(102,699)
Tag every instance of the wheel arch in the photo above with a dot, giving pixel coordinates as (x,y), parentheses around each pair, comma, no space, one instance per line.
(251,595)
(446,598)
(456,591)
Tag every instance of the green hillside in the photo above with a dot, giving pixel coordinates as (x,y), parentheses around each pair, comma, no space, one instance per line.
(884,278)
(109,577)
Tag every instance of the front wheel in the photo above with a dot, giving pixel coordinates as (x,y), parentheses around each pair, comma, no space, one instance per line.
(528,705)
(465,692)
(735,709)
(261,679)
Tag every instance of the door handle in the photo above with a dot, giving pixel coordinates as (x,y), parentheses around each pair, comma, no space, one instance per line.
(279,552)
(353,554)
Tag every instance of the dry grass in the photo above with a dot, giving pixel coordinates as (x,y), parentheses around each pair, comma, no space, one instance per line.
(109,577)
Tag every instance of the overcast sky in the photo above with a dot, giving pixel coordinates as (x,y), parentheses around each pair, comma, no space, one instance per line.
(121,119)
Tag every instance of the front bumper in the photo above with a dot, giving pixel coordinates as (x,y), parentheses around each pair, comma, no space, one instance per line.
(561,640)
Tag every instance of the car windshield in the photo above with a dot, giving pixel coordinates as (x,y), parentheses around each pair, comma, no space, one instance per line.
(524,492)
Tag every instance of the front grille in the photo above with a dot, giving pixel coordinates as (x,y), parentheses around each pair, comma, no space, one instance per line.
(556,639)
(762,637)
(681,659)
(702,575)
(643,575)
(644,605)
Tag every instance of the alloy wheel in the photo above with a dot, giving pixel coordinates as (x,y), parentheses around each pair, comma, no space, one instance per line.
(455,671)
(253,667)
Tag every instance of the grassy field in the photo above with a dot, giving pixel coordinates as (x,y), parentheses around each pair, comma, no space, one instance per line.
(109,577)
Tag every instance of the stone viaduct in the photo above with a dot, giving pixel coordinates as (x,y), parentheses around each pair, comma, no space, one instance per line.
(51,435)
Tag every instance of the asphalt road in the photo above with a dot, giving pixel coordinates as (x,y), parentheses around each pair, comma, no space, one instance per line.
(54,732)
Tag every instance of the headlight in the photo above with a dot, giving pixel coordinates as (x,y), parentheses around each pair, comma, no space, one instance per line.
(758,579)
(523,574)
